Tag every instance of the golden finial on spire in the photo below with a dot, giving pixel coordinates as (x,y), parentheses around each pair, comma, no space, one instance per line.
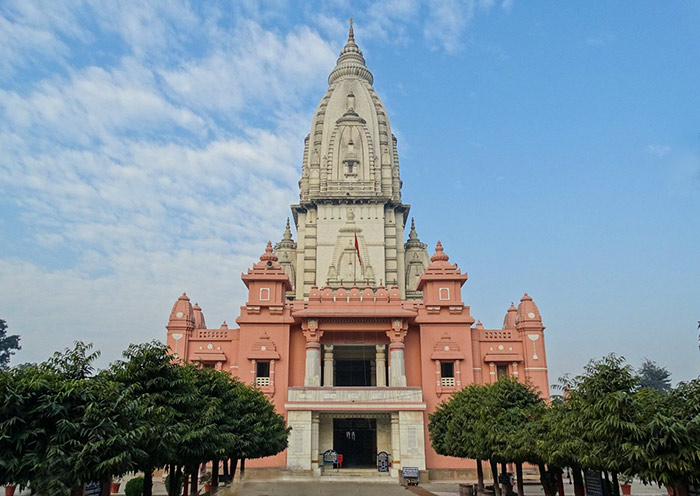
(351,34)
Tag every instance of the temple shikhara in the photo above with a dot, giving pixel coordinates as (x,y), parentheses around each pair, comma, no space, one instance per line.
(354,330)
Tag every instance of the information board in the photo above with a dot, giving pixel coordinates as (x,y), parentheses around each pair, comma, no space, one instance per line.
(330,456)
(93,489)
(595,484)
(410,473)
(383,461)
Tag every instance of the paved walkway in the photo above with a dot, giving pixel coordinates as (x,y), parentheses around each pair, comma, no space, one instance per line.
(337,488)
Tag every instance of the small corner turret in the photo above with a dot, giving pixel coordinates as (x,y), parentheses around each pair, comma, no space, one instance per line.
(442,281)
(528,315)
(180,325)
(267,282)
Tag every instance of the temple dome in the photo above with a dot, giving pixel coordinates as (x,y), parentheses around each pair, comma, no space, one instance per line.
(528,313)
(182,312)
(350,151)
(510,318)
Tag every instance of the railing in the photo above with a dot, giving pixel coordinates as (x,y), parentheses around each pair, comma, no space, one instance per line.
(447,382)
(498,335)
(262,381)
(355,394)
(213,334)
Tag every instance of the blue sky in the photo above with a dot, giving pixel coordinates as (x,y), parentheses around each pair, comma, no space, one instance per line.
(150,148)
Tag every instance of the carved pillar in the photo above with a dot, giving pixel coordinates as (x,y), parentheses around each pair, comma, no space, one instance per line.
(395,445)
(397,366)
(438,377)
(314,442)
(380,359)
(313,352)
(515,369)
(328,365)
(492,372)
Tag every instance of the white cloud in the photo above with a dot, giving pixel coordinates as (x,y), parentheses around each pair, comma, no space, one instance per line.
(659,151)
(129,155)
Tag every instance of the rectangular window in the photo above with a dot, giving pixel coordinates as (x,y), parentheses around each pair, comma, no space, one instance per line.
(444,294)
(264,294)
(262,373)
(447,374)
(501,371)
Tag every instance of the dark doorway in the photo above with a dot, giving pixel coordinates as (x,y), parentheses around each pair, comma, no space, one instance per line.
(356,440)
(354,366)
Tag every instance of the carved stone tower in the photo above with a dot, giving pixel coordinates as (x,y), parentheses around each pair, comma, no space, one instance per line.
(350,219)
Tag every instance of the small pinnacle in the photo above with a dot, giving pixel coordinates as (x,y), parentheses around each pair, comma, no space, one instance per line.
(351,33)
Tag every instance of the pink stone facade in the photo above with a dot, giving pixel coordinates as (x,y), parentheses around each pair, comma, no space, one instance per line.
(357,365)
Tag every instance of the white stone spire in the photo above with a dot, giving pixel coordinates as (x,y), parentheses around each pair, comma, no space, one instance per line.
(350,164)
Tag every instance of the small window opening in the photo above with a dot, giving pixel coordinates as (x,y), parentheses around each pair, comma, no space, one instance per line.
(262,373)
(501,371)
(447,374)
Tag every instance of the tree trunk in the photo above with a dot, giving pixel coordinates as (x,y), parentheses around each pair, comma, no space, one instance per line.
(186,485)
(171,481)
(560,483)
(479,476)
(148,482)
(546,479)
(616,484)
(225,467)
(494,474)
(519,475)
(507,487)
(215,473)
(579,489)
(194,474)
(242,467)
(234,465)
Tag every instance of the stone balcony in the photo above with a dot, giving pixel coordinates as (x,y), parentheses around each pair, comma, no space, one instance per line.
(355,398)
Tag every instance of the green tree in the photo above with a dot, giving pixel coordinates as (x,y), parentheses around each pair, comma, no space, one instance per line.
(60,428)
(260,430)
(160,387)
(603,405)
(666,449)
(653,376)
(453,427)
(8,345)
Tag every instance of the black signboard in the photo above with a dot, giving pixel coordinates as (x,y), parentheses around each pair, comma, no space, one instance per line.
(383,461)
(330,456)
(93,489)
(595,484)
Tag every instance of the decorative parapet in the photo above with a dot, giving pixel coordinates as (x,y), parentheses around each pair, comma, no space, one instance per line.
(496,335)
(354,398)
(213,334)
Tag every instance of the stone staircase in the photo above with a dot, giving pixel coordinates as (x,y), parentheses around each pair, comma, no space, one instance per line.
(355,474)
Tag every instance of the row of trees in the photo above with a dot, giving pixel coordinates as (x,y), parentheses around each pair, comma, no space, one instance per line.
(605,420)
(62,426)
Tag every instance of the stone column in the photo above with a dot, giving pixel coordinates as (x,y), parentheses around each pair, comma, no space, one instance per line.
(314,443)
(397,366)
(328,365)
(395,445)
(381,365)
(493,376)
(515,369)
(313,352)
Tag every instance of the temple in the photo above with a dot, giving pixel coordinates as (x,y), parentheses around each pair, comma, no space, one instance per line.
(353,331)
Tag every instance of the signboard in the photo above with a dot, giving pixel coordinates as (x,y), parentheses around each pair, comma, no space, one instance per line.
(383,461)
(595,484)
(93,489)
(330,456)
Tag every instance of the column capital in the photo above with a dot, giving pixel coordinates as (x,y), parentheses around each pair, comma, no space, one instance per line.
(309,327)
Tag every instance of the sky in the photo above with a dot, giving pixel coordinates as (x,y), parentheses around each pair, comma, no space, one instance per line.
(153,147)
